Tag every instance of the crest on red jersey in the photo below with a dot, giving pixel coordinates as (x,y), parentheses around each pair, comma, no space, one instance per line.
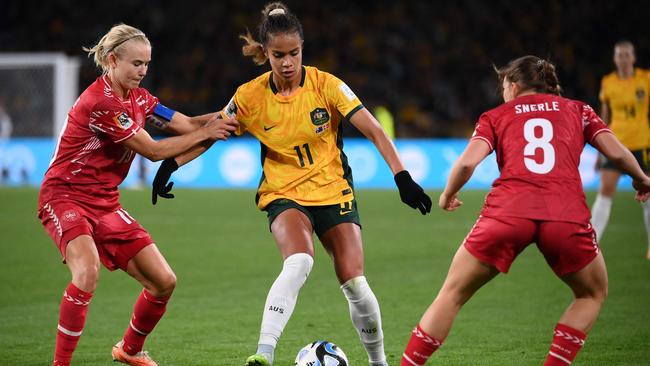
(123,121)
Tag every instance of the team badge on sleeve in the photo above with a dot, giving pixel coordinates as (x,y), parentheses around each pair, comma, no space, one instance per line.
(347,92)
(231,109)
(123,121)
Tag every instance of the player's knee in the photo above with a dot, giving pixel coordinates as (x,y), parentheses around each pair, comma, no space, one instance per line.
(86,277)
(601,294)
(298,265)
(166,285)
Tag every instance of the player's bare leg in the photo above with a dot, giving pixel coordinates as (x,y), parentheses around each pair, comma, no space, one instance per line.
(343,243)
(292,232)
(589,285)
(83,261)
(466,275)
(150,268)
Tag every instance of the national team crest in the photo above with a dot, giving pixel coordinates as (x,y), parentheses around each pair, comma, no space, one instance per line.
(319,116)
(123,121)
(640,94)
(70,215)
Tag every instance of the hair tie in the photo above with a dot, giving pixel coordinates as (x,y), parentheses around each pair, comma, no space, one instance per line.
(276,11)
(540,64)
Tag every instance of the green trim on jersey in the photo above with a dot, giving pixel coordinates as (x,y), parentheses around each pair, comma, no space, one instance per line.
(274,88)
(347,171)
(263,150)
(353,111)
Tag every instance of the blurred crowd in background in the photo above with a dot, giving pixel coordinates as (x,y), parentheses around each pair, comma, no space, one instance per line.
(430,63)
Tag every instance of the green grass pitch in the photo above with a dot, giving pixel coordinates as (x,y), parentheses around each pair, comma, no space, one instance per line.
(223,254)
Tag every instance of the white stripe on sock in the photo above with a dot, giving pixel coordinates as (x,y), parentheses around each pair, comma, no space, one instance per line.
(409,360)
(68,332)
(560,357)
(137,330)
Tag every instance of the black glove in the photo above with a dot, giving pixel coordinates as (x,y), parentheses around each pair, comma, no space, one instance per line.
(160,187)
(411,193)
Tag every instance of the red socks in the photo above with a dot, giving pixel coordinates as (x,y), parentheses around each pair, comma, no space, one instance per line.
(420,347)
(147,312)
(566,344)
(72,317)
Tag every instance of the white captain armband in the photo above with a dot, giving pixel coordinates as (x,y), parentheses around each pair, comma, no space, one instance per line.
(161,116)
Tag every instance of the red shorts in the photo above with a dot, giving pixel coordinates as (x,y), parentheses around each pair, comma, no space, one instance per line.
(118,237)
(568,247)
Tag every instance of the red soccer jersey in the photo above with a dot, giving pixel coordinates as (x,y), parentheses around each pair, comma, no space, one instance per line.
(538,140)
(89,162)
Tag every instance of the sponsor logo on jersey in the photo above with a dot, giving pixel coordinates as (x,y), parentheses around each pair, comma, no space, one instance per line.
(269,127)
(123,121)
(231,109)
(640,94)
(319,116)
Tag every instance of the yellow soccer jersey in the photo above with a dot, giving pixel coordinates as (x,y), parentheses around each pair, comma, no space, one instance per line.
(628,105)
(300,134)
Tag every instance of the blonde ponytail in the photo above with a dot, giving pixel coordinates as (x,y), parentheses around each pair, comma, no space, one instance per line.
(111,42)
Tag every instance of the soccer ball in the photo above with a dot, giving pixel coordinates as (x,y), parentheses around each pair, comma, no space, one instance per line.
(321,353)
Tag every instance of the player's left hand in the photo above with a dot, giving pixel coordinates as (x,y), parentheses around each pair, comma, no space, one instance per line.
(160,187)
(411,193)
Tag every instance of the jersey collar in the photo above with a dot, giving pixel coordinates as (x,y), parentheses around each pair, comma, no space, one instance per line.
(274,89)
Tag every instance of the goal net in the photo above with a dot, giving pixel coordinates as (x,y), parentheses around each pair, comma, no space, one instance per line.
(37,90)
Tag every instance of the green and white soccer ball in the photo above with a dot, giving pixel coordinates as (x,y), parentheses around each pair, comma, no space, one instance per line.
(321,353)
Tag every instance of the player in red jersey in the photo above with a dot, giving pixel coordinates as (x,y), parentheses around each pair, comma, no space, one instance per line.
(538,137)
(79,199)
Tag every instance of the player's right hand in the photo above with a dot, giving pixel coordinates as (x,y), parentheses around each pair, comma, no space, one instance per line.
(642,189)
(449,202)
(220,129)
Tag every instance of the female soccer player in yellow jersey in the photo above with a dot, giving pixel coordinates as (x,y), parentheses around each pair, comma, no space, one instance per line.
(624,97)
(296,113)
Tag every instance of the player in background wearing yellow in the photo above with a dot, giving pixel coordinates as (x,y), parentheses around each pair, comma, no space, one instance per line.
(296,113)
(624,97)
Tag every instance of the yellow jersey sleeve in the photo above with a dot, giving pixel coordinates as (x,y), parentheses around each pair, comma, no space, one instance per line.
(233,110)
(341,96)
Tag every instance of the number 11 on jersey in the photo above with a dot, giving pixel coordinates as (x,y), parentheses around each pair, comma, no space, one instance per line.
(307,152)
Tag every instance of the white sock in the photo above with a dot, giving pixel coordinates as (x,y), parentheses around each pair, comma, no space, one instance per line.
(600,214)
(364,311)
(281,301)
(646,219)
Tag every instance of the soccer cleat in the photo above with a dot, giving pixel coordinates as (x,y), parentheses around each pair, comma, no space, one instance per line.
(257,360)
(139,359)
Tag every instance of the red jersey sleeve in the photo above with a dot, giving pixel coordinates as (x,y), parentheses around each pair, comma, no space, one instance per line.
(592,125)
(485,131)
(150,102)
(111,119)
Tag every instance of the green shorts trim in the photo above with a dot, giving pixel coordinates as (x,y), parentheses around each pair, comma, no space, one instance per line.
(322,218)
(642,157)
